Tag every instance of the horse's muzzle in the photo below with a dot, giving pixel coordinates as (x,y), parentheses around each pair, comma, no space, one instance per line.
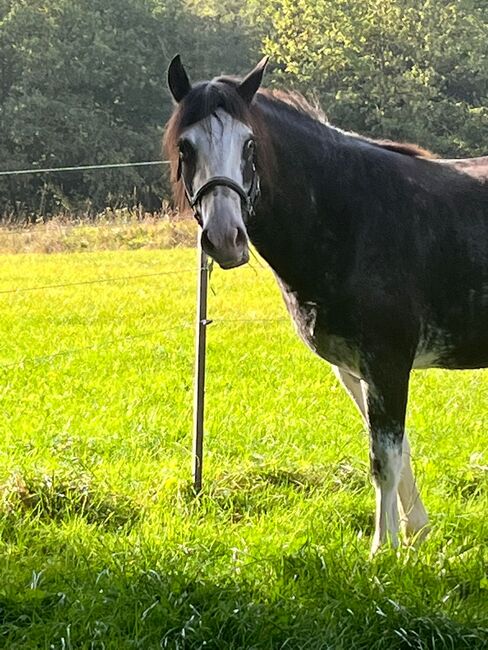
(228,248)
(232,264)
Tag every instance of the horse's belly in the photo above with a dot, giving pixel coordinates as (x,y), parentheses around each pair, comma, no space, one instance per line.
(464,351)
(467,356)
(338,351)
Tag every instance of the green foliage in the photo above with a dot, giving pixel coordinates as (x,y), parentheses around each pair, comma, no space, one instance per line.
(84,91)
(102,544)
(392,68)
(84,82)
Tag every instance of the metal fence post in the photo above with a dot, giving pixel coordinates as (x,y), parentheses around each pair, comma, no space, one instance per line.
(200,353)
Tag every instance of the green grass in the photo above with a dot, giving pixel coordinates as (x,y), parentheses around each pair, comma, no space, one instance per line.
(103,545)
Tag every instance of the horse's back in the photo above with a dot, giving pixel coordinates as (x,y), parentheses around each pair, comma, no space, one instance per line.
(475,167)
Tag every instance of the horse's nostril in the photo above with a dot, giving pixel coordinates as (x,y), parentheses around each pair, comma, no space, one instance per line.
(206,243)
(240,238)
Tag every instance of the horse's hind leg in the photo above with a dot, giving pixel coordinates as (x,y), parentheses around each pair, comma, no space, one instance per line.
(353,386)
(413,516)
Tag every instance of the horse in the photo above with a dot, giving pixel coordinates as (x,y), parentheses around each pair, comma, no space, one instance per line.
(379,248)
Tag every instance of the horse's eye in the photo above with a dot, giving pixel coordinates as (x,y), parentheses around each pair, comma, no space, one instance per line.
(249,146)
(186,149)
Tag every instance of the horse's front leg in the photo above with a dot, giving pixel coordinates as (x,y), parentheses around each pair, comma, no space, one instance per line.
(413,516)
(386,393)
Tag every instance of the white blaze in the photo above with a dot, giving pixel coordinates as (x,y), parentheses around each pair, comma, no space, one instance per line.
(219,141)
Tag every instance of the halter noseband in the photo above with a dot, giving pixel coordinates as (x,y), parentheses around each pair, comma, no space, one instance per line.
(248,199)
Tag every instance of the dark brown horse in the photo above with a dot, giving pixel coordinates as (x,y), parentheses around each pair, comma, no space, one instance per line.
(380,251)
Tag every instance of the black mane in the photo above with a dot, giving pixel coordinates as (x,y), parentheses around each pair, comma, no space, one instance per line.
(294,103)
(206,97)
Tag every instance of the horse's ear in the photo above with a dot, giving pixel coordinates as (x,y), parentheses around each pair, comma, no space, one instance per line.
(178,81)
(250,84)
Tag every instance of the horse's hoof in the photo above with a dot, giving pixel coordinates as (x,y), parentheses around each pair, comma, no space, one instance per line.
(415,537)
(377,546)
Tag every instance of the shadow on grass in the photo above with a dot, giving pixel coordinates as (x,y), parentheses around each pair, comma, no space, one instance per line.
(74,580)
(258,490)
(314,597)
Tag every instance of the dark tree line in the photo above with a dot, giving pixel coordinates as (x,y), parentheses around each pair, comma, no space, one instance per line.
(84,82)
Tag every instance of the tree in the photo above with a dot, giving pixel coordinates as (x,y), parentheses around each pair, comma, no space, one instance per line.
(84,82)
(391,68)
(83,87)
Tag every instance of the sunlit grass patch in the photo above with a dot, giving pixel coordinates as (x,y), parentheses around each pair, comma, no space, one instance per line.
(61,495)
(103,543)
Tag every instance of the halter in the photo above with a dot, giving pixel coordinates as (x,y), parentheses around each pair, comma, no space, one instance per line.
(248,199)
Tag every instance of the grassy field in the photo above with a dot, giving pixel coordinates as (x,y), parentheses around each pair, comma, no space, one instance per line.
(103,545)
(119,230)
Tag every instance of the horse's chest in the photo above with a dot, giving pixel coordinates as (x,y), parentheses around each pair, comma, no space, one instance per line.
(312,327)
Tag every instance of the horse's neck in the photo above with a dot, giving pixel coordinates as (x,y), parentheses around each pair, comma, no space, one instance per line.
(297,222)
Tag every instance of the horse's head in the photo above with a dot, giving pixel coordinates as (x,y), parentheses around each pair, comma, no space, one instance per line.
(211,142)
